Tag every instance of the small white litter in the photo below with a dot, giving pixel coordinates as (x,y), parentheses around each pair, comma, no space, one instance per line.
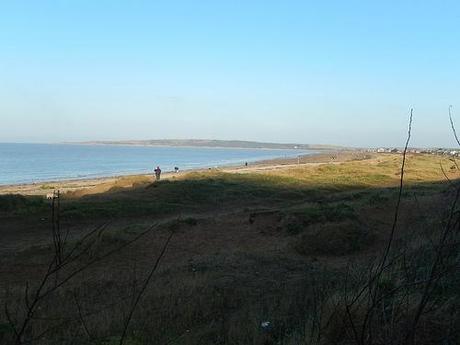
(265,324)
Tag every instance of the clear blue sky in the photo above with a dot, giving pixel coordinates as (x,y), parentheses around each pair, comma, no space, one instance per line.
(338,72)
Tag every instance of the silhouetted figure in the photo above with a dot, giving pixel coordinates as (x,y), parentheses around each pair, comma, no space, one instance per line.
(157,173)
(176,169)
(246,164)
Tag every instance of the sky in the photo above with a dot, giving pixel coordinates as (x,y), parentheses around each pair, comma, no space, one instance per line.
(319,72)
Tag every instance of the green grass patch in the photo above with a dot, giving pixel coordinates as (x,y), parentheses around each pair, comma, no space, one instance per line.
(14,204)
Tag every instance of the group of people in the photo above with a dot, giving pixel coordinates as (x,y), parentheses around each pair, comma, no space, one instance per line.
(157,172)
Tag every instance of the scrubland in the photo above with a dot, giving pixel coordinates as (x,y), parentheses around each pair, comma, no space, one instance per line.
(316,253)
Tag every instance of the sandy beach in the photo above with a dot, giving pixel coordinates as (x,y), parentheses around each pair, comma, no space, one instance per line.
(80,187)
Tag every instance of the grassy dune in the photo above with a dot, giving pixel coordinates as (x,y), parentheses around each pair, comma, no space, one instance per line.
(293,246)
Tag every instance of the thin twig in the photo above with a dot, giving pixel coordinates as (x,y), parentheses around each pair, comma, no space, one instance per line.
(398,203)
(80,316)
(382,265)
(454,131)
(144,287)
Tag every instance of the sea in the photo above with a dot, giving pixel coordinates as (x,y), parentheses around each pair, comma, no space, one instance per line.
(33,163)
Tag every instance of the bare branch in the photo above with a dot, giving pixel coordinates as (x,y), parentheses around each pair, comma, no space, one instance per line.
(144,287)
(80,316)
(398,203)
(454,131)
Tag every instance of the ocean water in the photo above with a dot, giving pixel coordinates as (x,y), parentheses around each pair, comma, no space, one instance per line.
(27,163)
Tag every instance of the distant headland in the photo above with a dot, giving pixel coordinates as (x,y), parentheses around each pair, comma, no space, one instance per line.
(215,143)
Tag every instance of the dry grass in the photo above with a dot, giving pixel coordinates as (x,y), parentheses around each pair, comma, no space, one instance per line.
(382,171)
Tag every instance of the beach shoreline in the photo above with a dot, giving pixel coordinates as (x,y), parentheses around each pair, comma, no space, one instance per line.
(105,183)
(24,164)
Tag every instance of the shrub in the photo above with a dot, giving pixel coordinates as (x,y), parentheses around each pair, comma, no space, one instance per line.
(377,199)
(293,225)
(334,239)
(295,222)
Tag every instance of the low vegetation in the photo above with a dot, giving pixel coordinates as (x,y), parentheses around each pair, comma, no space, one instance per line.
(298,255)
(12,204)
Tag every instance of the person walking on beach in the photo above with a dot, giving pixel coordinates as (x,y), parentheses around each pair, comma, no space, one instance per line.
(157,173)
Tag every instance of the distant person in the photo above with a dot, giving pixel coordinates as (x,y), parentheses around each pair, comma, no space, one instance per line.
(157,173)
(176,169)
(246,164)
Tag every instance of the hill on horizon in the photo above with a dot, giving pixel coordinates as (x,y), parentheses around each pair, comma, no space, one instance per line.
(215,143)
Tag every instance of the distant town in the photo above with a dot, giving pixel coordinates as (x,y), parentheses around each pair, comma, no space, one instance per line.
(432,151)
